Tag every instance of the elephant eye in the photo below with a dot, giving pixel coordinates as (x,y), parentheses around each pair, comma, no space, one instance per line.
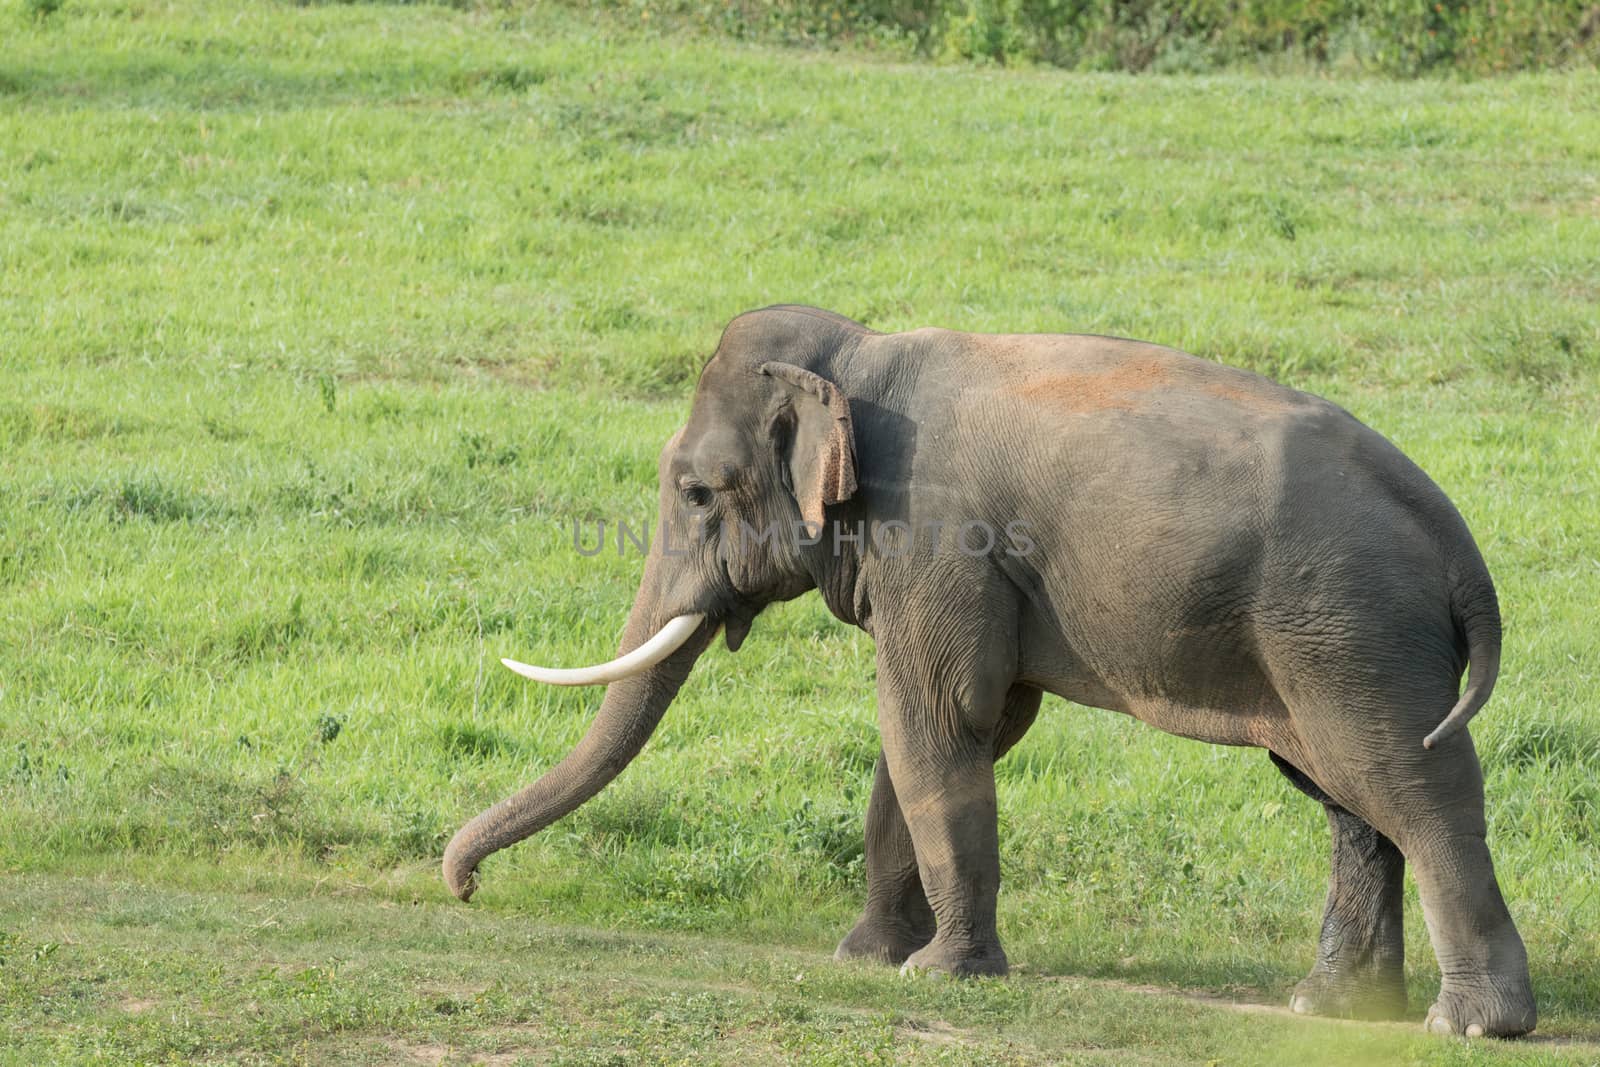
(697,495)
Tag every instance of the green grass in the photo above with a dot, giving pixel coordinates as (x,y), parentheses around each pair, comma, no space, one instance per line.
(342,975)
(320,325)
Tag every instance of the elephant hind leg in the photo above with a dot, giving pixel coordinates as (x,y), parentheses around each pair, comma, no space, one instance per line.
(1484,986)
(1484,989)
(1367,754)
(1360,967)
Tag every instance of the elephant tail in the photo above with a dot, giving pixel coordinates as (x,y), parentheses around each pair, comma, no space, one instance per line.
(1476,613)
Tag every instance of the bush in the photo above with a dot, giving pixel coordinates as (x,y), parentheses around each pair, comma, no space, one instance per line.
(1392,36)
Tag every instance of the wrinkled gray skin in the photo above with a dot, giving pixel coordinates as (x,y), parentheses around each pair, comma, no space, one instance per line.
(1216,555)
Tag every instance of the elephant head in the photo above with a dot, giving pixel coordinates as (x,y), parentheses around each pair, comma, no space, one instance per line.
(769,445)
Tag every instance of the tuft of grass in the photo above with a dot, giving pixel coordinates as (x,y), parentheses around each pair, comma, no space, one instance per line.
(466,741)
(1548,742)
(150,499)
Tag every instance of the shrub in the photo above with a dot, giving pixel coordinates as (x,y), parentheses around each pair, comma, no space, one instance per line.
(1392,36)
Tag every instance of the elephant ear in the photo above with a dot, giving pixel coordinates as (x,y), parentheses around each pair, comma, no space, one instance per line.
(822,446)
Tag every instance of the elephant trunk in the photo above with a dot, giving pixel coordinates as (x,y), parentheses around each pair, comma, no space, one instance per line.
(628,715)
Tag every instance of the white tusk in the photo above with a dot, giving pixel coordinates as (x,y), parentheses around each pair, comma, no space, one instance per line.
(647,655)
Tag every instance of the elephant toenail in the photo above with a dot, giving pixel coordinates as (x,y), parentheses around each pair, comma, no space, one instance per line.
(1300,1005)
(1475,1030)
(1440,1025)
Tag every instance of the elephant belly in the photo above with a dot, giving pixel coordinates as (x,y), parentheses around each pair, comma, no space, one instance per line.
(1221,698)
(1260,726)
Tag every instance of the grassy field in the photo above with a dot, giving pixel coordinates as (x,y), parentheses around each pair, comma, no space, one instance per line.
(319,326)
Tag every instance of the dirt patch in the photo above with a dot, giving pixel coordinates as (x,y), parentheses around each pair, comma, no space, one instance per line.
(427,1053)
(1263,400)
(1114,388)
(1127,387)
(1255,1007)
(430,1053)
(935,1033)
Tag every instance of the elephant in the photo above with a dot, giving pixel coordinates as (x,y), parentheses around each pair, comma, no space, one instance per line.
(1217,555)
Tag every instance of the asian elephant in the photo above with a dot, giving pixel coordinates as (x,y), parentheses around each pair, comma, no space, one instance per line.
(1115,522)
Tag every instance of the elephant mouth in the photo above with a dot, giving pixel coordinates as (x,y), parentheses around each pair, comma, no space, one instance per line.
(736,627)
(736,617)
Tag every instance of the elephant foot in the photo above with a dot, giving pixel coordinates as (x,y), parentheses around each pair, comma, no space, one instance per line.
(1493,1007)
(1368,994)
(960,961)
(881,940)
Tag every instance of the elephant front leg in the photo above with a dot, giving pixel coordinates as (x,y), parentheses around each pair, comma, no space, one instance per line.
(897,920)
(943,774)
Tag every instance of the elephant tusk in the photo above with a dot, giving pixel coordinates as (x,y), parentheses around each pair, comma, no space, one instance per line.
(663,644)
